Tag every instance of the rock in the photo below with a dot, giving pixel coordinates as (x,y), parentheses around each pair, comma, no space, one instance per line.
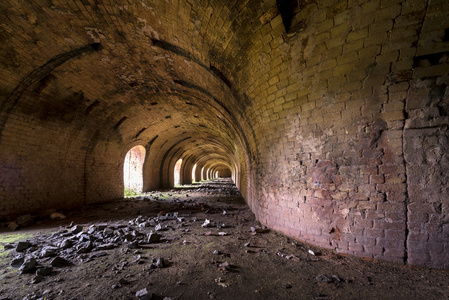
(67,243)
(17,261)
(106,246)
(143,294)
(13,225)
(28,266)
(207,223)
(48,252)
(216,252)
(37,279)
(323,279)
(222,233)
(311,252)
(59,262)
(76,229)
(22,246)
(336,279)
(153,237)
(102,226)
(108,231)
(44,271)
(160,263)
(246,244)
(92,229)
(99,254)
(224,266)
(145,224)
(84,237)
(84,247)
(159,227)
(8,246)
(57,216)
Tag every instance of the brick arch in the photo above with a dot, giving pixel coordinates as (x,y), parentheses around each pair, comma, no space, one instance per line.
(133,168)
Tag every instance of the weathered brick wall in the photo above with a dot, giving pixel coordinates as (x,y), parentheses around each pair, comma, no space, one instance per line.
(335,131)
(332,101)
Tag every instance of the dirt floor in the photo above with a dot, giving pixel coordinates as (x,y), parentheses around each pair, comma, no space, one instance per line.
(232,257)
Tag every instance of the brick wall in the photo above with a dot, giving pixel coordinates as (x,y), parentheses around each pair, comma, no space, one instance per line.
(341,164)
(335,131)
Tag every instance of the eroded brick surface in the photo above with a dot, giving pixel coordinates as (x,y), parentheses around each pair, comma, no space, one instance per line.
(335,131)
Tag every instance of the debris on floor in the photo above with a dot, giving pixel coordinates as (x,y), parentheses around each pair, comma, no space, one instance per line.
(163,245)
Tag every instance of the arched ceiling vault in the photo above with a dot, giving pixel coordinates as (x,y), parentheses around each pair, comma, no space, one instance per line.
(131,72)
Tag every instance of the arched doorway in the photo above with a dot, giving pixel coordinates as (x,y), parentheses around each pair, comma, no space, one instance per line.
(178,172)
(193,174)
(133,170)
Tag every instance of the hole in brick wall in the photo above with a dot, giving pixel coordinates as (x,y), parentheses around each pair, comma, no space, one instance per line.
(179,82)
(220,75)
(178,172)
(287,9)
(95,46)
(152,140)
(120,122)
(140,132)
(133,170)
(168,117)
(177,126)
(153,103)
(429,59)
(91,107)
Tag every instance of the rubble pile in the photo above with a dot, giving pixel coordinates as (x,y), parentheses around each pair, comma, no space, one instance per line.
(77,243)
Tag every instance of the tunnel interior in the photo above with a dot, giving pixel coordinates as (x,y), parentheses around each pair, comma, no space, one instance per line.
(331,117)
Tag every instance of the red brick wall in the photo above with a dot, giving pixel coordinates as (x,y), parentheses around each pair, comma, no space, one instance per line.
(335,131)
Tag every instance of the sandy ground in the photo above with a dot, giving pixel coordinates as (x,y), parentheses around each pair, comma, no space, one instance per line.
(226,259)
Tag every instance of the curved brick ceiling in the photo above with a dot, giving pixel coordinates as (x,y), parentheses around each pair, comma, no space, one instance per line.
(132,72)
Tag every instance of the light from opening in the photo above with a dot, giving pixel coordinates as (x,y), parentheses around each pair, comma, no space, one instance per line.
(178,172)
(193,173)
(133,169)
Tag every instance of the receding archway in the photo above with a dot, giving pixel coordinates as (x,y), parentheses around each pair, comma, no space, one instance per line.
(193,173)
(178,172)
(133,170)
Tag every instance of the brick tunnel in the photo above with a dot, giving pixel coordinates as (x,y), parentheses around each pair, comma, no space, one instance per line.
(330,116)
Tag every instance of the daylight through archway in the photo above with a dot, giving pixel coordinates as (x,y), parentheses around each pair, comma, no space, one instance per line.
(132,170)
